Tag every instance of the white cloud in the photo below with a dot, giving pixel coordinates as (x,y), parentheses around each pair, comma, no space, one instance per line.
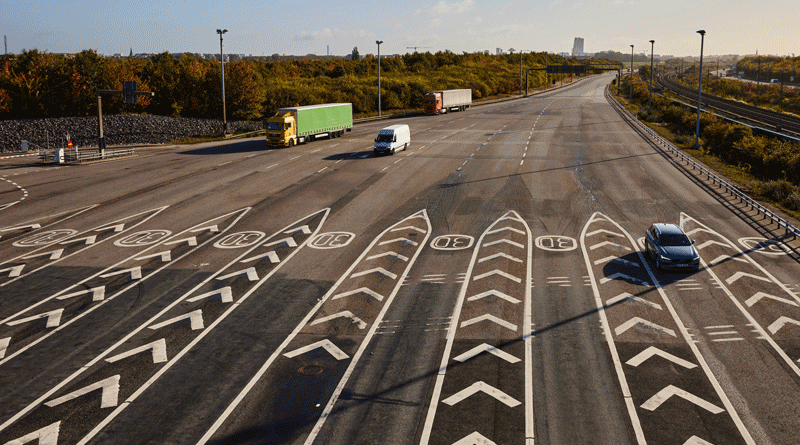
(454,8)
(435,22)
(478,19)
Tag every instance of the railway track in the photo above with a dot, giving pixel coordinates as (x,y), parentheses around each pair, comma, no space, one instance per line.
(747,113)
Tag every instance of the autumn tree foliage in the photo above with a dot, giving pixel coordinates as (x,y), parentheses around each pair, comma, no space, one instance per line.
(40,84)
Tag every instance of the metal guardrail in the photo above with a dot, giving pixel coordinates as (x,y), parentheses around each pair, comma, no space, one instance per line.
(86,156)
(704,171)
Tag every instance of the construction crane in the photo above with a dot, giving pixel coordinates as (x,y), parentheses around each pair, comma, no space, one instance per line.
(415,47)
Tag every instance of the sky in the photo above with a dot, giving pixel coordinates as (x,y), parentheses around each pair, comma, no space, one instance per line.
(300,27)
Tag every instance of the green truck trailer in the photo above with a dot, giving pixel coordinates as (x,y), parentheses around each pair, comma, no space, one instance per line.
(298,125)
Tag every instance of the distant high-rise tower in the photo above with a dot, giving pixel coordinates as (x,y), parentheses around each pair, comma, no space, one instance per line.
(577,47)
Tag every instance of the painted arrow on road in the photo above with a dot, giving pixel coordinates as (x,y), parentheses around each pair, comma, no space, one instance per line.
(475,438)
(108,398)
(98,294)
(195,319)
(781,322)
(484,388)
(636,321)
(496,293)
(45,436)
(662,396)
(492,318)
(38,259)
(360,290)
(484,347)
(652,351)
(325,344)
(759,295)
(158,349)
(53,318)
(344,314)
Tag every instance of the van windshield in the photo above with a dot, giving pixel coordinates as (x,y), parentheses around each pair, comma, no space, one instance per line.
(385,138)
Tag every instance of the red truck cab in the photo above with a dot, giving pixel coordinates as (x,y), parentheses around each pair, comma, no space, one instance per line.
(432,103)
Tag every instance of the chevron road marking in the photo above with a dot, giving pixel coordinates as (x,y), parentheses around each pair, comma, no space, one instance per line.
(158,347)
(251,273)
(618,259)
(191,241)
(394,254)
(29,226)
(759,295)
(620,275)
(510,229)
(486,389)
(304,228)
(497,272)
(166,256)
(13,271)
(496,293)
(273,257)
(53,318)
(500,255)
(475,438)
(325,344)
(195,319)
(662,396)
(492,318)
(610,244)
(629,297)
(344,314)
(504,241)
(400,229)
(635,321)
(608,232)
(225,294)
(54,255)
(738,275)
(781,322)
(46,436)
(365,290)
(91,239)
(98,294)
(136,273)
(653,351)
(398,240)
(484,347)
(290,242)
(108,398)
(711,243)
(4,342)
(375,270)
(723,258)
(694,440)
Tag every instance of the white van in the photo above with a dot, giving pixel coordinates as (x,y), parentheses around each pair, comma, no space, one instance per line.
(391,139)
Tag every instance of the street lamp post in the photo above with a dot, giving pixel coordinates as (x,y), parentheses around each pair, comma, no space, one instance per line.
(650,96)
(630,96)
(222,64)
(699,92)
(379,75)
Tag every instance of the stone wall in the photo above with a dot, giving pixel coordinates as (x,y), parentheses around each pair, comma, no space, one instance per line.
(117,129)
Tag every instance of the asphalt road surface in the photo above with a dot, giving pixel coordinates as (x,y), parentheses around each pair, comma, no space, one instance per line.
(486,286)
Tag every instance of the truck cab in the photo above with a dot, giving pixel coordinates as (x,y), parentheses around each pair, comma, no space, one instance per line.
(282,130)
(432,103)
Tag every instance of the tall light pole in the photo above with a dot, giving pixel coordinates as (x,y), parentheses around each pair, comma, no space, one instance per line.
(379,75)
(699,92)
(650,96)
(222,64)
(630,96)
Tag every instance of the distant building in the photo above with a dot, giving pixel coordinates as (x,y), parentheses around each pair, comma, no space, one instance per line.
(577,47)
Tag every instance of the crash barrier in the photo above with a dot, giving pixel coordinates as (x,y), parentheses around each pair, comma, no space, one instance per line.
(60,156)
(790,229)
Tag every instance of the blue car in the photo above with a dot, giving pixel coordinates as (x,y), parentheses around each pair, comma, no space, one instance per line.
(670,248)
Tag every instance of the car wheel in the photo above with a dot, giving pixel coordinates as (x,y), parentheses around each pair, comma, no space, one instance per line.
(392,152)
(405,147)
(291,142)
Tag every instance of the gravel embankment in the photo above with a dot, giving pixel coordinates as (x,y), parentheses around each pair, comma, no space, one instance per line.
(117,129)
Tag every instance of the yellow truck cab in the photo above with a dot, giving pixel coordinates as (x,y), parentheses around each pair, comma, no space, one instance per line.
(282,129)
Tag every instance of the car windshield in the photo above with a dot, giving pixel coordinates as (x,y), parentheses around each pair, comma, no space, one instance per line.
(274,126)
(385,138)
(675,240)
